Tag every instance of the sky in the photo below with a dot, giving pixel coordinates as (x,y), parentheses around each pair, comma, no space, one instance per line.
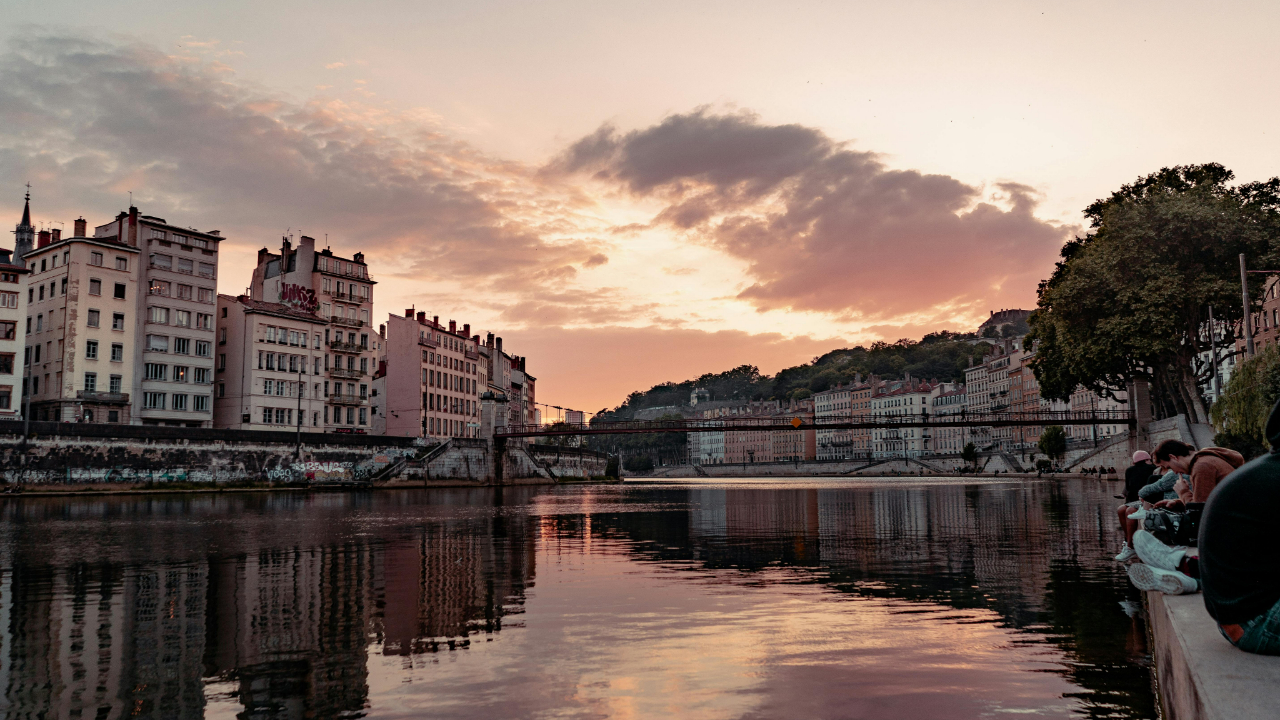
(641,192)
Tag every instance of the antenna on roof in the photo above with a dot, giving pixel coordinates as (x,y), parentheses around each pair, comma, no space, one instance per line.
(130,198)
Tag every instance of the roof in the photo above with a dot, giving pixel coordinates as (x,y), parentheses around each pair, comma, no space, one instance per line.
(270,308)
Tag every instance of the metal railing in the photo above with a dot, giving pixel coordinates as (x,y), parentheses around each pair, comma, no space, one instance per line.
(340,320)
(337,399)
(783,423)
(347,374)
(103,397)
(345,346)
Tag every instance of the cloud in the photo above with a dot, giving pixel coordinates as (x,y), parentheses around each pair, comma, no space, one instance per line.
(335,65)
(596,260)
(88,120)
(821,226)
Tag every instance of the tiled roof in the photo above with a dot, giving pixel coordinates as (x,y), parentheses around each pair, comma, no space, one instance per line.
(263,306)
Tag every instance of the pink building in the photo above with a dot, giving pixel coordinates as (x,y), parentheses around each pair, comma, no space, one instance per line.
(434,378)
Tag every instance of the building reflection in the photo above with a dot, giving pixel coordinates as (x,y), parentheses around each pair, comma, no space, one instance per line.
(290,628)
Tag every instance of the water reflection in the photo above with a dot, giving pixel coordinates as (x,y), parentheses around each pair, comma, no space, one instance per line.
(748,599)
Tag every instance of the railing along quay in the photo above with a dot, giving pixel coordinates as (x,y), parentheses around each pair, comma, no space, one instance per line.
(785,423)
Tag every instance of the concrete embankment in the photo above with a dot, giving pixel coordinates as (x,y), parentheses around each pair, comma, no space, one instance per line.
(1200,675)
(69,456)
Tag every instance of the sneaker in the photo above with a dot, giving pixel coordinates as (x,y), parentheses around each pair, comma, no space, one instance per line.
(1139,514)
(1169,582)
(1155,553)
(1126,554)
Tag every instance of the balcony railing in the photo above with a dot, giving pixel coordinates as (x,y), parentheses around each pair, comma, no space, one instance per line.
(337,399)
(340,320)
(345,346)
(103,397)
(426,341)
(347,374)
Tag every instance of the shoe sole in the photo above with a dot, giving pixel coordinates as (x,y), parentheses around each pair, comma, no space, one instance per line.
(1144,578)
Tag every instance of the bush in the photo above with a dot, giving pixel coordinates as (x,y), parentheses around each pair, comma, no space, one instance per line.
(611,468)
(638,463)
(1044,465)
(1240,414)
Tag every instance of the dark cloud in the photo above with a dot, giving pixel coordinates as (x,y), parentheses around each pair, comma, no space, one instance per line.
(87,121)
(823,227)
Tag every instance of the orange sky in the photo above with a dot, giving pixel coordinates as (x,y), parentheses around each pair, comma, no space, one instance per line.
(636,194)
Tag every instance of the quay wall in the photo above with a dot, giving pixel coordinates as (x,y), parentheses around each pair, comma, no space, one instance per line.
(74,454)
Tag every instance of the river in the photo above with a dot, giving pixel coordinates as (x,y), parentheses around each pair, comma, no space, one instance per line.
(803,598)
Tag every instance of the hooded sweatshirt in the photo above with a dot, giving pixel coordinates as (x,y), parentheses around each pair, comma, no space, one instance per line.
(1208,467)
(1239,571)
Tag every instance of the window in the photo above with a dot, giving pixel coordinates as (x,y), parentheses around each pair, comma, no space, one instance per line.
(222,361)
(122,263)
(180,374)
(364,416)
(184,266)
(206,270)
(6,363)
(222,389)
(119,292)
(364,392)
(164,262)
(159,287)
(8,300)
(206,296)
(91,349)
(8,329)
(115,383)
(117,321)
(90,382)
(6,396)
(117,352)
(268,387)
(179,401)
(42,292)
(204,321)
(181,346)
(94,318)
(158,234)
(200,403)
(153,400)
(158,315)
(184,292)
(156,371)
(40,322)
(282,417)
(204,348)
(267,415)
(182,318)
(95,259)
(62,287)
(158,343)
(271,334)
(203,376)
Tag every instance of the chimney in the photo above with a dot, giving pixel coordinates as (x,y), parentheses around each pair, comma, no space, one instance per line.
(81,226)
(498,347)
(488,340)
(453,326)
(435,320)
(42,238)
(522,359)
(358,257)
(262,255)
(57,234)
(422,318)
(382,331)
(466,330)
(408,312)
(133,226)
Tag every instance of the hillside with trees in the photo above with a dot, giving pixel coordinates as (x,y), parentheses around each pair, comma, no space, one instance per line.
(941,356)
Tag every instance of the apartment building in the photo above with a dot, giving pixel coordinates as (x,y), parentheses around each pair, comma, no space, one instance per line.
(750,446)
(339,292)
(81,325)
(949,401)
(13,312)
(173,317)
(798,444)
(434,378)
(1088,401)
(834,405)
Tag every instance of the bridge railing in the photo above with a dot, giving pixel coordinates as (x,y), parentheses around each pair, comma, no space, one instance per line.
(783,423)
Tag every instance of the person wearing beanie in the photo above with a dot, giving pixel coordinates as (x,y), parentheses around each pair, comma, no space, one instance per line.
(1138,476)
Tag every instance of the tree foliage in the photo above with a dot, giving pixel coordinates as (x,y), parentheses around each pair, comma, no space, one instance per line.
(969,454)
(1240,414)
(1129,298)
(1053,442)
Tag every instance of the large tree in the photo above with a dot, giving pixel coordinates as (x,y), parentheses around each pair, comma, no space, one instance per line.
(1130,298)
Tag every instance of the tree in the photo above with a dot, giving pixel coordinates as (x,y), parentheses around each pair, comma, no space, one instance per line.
(970,454)
(1053,442)
(1240,415)
(1129,299)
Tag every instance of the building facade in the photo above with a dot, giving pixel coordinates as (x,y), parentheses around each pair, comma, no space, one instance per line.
(434,378)
(834,405)
(269,367)
(173,319)
(801,443)
(13,313)
(948,401)
(80,326)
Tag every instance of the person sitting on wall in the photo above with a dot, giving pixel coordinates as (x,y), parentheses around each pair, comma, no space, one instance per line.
(1136,477)
(1240,577)
(1172,570)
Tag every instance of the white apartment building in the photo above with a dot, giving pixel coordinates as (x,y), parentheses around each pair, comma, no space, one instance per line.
(834,405)
(1083,400)
(13,312)
(270,367)
(173,318)
(949,401)
(909,400)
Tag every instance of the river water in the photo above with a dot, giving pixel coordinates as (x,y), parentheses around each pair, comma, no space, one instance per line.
(868,598)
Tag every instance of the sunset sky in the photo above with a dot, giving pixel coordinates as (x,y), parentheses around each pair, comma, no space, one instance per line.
(637,192)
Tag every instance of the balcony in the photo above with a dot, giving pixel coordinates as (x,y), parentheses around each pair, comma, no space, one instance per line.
(426,341)
(347,374)
(108,398)
(336,399)
(345,346)
(471,355)
(350,322)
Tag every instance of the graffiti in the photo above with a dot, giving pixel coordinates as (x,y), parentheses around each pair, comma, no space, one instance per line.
(323,471)
(299,297)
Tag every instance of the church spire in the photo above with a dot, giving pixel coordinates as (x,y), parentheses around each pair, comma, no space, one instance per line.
(24,235)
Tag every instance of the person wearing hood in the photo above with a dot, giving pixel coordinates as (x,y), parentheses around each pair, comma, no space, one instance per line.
(1239,574)
(1137,476)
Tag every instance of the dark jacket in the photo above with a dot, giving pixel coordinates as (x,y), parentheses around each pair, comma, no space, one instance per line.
(1239,571)
(1136,477)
